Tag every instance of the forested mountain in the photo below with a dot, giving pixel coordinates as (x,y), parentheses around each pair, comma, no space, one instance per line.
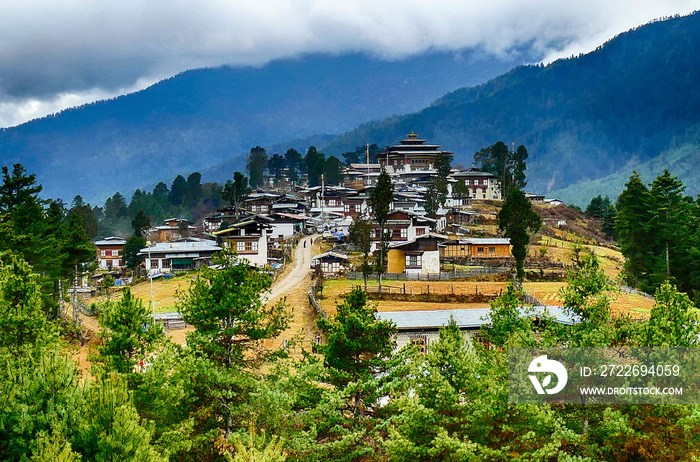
(202,117)
(580,118)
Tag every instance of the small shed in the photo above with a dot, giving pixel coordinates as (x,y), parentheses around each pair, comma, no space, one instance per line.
(331,262)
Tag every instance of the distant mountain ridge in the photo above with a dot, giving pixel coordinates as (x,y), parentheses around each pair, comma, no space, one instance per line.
(580,118)
(203,117)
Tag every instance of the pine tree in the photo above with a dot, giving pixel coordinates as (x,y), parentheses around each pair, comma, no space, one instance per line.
(256,165)
(632,228)
(357,345)
(518,222)
(381,198)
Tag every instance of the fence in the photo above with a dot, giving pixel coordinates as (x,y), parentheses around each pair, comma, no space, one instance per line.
(315,287)
(443,276)
(629,290)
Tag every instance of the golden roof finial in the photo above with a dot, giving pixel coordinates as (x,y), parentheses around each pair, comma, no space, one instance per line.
(412,136)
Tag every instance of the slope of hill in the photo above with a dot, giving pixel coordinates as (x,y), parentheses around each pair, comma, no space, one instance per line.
(682,159)
(202,117)
(581,118)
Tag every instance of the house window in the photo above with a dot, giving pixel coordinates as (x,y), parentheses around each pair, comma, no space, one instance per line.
(103,253)
(404,233)
(413,261)
(165,263)
(373,233)
(331,202)
(480,250)
(421,341)
(240,246)
(115,253)
(357,207)
(346,208)
(420,231)
(492,250)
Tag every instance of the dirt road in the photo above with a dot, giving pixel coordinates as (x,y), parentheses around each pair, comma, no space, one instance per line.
(302,262)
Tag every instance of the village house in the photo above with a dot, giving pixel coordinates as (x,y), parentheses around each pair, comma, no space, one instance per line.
(260,203)
(419,256)
(248,238)
(476,247)
(180,255)
(481,185)
(173,230)
(110,253)
(331,263)
(404,226)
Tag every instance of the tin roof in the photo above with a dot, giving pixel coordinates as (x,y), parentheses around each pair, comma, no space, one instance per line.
(464,318)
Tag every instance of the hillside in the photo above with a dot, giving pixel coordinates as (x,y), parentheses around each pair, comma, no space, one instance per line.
(681,159)
(203,117)
(581,118)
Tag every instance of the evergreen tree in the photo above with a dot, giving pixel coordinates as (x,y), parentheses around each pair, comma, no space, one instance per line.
(236,191)
(333,171)
(276,164)
(357,346)
(670,233)
(140,223)
(632,228)
(17,188)
(360,235)
(381,198)
(194,189)
(128,333)
(517,221)
(22,317)
(315,164)
(256,165)
(231,323)
(131,249)
(178,191)
(509,167)
(294,161)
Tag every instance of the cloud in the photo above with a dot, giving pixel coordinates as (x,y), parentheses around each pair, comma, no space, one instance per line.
(61,52)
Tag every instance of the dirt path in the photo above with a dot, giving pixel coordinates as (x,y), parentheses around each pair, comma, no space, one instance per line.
(302,262)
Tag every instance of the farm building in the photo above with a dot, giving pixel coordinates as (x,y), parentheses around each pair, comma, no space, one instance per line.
(423,327)
(187,254)
(331,262)
(420,255)
(476,247)
(110,253)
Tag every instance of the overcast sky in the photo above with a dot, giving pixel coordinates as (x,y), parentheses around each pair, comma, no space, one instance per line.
(60,53)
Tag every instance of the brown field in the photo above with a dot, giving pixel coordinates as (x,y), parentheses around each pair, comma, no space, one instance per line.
(547,292)
(560,250)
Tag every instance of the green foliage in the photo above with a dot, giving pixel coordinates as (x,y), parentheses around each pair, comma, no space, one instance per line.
(333,171)
(256,165)
(17,188)
(657,232)
(507,322)
(109,428)
(294,161)
(128,333)
(236,191)
(140,223)
(674,321)
(230,318)
(315,165)
(22,318)
(360,235)
(587,296)
(380,199)
(131,249)
(508,166)
(275,165)
(517,221)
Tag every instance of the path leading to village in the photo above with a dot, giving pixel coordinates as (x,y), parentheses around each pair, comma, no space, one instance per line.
(302,267)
